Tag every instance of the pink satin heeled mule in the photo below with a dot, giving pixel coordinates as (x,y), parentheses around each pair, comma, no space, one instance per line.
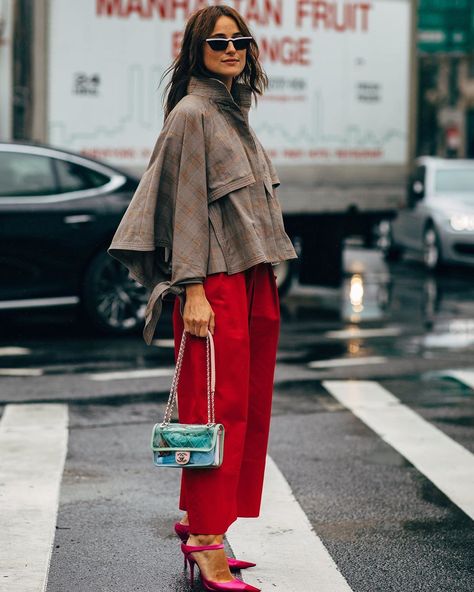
(182,530)
(231,586)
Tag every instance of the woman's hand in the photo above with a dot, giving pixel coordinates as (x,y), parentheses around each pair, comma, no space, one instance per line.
(198,315)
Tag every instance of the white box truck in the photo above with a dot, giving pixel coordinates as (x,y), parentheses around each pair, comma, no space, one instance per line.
(337,119)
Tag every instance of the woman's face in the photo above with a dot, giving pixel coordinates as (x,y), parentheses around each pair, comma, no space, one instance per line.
(229,63)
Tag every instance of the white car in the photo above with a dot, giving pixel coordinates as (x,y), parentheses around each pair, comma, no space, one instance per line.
(438,220)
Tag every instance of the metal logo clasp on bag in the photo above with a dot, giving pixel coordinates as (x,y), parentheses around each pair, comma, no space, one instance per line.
(182,457)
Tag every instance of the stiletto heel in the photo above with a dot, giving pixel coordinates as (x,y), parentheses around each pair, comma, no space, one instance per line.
(191,561)
(191,570)
(233,585)
(182,530)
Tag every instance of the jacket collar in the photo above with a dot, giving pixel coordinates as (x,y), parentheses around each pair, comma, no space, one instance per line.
(215,89)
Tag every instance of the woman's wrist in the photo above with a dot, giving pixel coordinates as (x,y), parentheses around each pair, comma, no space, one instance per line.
(194,289)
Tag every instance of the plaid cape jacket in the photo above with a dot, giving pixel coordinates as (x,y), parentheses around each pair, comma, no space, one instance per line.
(205,150)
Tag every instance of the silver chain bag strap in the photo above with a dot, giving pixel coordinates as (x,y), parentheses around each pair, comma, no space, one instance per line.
(190,446)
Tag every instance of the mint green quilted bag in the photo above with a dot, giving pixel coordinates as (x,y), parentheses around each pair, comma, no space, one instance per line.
(189,446)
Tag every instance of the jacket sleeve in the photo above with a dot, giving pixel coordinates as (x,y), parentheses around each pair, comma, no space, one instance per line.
(190,244)
(198,280)
(168,213)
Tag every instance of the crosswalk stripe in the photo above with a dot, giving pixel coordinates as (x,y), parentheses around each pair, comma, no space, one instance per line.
(163,342)
(356,332)
(21,372)
(130,374)
(14,351)
(338,362)
(442,460)
(271,541)
(33,445)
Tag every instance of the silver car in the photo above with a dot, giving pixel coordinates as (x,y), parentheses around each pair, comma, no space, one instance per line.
(438,221)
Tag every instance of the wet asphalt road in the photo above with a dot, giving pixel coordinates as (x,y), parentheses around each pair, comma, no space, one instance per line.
(385,524)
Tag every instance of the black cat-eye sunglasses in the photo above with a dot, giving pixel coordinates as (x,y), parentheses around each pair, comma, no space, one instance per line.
(220,44)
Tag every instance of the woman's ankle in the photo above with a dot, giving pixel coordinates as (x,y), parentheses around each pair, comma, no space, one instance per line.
(205,539)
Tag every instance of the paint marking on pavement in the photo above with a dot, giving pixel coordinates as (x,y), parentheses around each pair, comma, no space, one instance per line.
(38,302)
(272,541)
(163,342)
(21,371)
(356,332)
(443,461)
(336,362)
(464,376)
(14,351)
(33,446)
(131,374)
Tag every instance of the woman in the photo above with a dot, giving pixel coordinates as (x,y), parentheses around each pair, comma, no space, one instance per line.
(205,225)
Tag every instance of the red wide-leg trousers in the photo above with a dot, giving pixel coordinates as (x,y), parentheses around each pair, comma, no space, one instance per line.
(247,317)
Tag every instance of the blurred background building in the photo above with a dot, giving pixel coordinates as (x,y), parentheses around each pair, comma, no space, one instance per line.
(364,86)
(22,69)
(445,113)
(446,78)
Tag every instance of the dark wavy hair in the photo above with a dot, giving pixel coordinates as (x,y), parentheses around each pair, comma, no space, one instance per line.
(189,62)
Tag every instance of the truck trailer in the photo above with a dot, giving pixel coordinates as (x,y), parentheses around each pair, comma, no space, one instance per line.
(337,118)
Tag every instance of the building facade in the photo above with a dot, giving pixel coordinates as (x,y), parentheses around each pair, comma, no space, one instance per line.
(446,78)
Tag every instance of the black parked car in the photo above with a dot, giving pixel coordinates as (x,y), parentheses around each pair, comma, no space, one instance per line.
(58,213)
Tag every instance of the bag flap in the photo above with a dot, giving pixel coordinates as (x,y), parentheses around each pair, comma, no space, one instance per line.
(179,436)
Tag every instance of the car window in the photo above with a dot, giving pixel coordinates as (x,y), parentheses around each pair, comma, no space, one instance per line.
(23,175)
(454,180)
(74,177)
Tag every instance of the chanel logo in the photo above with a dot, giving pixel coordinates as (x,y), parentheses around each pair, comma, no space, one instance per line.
(182,457)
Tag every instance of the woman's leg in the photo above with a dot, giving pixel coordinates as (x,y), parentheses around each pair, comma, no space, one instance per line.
(210,495)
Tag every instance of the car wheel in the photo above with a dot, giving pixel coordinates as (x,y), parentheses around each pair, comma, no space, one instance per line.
(432,257)
(112,301)
(284,275)
(385,242)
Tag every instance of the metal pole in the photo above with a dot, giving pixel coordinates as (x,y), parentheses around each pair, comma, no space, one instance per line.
(6,69)
(40,71)
(414,83)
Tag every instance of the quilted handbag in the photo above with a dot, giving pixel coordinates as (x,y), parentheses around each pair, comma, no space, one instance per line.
(189,446)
